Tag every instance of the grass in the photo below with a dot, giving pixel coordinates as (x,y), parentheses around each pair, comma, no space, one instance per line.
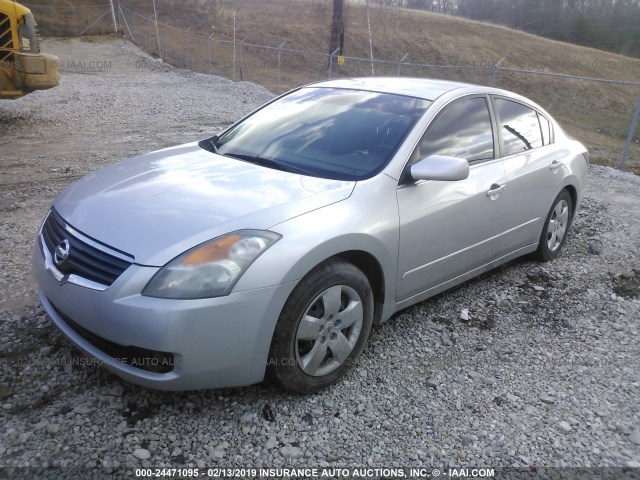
(596,113)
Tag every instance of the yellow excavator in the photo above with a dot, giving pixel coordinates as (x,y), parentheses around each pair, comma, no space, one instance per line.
(23,68)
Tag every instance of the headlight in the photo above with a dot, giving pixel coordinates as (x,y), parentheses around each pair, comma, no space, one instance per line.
(211,269)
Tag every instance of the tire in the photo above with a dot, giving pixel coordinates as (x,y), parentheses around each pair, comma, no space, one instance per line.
(556,227)
(322,329)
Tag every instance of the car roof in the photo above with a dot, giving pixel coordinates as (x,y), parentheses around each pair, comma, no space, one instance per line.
(424,88)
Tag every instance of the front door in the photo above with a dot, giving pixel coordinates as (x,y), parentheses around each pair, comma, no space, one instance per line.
(450,228)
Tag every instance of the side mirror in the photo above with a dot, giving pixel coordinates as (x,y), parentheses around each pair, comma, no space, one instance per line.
(441,168)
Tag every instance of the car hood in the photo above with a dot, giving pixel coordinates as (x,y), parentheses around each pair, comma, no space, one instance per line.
(156,206)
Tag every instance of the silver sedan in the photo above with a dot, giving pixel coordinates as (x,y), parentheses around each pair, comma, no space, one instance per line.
(273,247)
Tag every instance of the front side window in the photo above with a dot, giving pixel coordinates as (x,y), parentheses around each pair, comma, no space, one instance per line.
(462,129)
(519,126)
(325,132)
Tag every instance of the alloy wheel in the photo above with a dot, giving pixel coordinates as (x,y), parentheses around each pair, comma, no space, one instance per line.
(558,224)
(329,330)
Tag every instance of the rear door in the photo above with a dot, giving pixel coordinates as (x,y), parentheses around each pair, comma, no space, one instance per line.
(533,167)
(450,228)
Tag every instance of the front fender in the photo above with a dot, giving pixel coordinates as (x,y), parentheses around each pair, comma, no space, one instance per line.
(367,221)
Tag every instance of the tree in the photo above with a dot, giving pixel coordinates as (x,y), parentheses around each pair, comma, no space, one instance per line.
(337,28)
(606,24)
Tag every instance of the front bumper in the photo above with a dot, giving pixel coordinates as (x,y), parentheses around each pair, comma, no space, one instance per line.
(215,342)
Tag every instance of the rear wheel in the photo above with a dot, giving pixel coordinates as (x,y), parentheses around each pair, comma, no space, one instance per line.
(322,329)
(554,232)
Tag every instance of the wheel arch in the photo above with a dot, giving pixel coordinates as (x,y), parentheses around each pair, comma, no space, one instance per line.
(369,265)
(375,258)
(573,193)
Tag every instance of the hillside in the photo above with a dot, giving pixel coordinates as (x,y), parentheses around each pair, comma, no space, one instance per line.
(599,114)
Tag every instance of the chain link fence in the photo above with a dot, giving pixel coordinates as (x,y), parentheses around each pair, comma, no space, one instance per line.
(602,112)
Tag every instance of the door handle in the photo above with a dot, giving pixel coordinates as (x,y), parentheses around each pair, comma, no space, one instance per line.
(495,190)
(555,165)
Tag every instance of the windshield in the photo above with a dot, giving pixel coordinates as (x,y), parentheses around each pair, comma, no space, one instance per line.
(324,132)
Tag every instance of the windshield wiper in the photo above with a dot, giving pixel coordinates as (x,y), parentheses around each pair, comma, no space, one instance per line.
(271,163)
(209,145)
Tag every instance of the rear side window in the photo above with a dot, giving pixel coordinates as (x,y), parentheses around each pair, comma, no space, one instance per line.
(462,129)
(519,126)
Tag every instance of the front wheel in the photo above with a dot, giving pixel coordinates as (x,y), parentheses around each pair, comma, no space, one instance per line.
(554,232)
(323,328)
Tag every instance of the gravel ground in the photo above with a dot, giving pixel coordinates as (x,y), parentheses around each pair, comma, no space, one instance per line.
(545,371)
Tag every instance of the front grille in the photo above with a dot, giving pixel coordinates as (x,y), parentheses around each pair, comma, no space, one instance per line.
(84,260)
(6,39)
(149,360)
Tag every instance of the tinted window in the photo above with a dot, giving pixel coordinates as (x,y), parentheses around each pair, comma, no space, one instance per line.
(462,129)
(520,127)
(331,133)
(545,126)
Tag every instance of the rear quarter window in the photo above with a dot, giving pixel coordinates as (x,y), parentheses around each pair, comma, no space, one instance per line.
(545,126)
